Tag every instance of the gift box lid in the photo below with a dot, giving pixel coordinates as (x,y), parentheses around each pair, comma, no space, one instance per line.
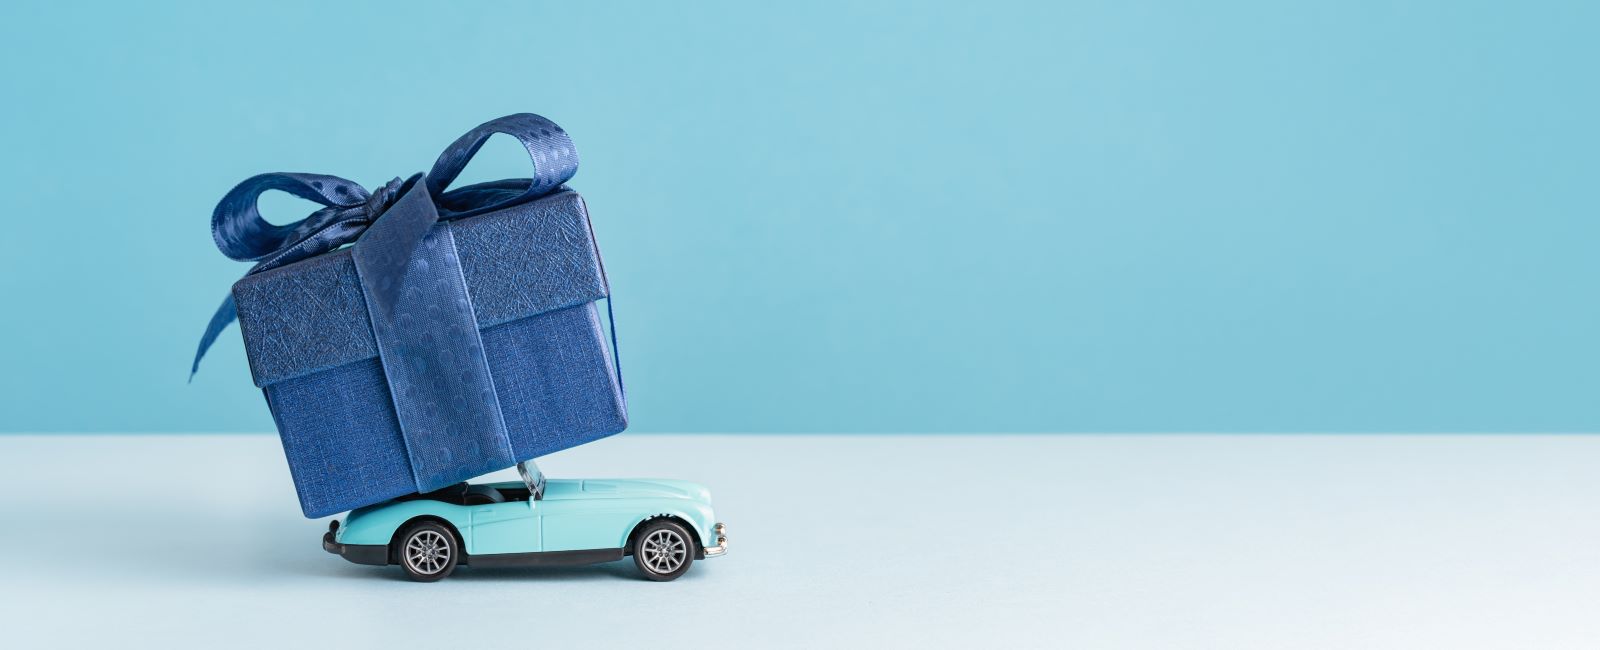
(521,261)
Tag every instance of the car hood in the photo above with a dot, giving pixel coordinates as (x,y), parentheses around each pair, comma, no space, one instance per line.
(615,488)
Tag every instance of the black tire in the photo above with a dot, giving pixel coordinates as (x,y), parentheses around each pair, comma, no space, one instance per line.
(663,550)
(427,551)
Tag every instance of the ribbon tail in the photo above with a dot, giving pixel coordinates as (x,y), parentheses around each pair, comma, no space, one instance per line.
(219,321)
(616,357)
(383,253)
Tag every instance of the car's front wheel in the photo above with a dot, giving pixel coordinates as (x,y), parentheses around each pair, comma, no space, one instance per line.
(428,551)
(663,550)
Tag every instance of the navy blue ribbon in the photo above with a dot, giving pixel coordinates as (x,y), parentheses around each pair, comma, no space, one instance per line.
(410,275)
(349,209)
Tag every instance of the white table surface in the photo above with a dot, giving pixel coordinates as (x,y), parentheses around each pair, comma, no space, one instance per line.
(1075,541)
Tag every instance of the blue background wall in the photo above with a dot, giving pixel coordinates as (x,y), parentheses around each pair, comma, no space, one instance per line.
(1117,216)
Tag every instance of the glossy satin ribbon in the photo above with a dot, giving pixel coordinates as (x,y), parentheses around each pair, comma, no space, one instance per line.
(242,234)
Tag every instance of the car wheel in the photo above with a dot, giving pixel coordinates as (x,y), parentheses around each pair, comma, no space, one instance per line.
(428,551)
(663,550)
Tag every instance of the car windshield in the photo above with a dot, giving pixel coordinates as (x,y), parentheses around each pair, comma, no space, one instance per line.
(533,478)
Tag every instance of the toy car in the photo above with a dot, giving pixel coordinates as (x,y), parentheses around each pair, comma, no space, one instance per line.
(665,525)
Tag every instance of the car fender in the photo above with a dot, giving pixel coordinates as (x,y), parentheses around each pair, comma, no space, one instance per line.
(697,516)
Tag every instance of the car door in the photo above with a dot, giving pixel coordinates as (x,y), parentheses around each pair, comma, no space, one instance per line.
(510,527)
(587,523)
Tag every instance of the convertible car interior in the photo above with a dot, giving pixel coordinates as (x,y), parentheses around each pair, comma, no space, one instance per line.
(462,494)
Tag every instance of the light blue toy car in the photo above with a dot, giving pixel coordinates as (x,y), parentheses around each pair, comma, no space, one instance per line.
(665,525)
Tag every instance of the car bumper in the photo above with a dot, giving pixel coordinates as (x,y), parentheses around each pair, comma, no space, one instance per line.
(721,532)
(375,554)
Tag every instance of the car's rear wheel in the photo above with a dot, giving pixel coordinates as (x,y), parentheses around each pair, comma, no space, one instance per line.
(663,550)
(427,551)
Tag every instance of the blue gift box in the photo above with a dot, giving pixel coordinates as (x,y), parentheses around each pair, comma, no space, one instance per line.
(457,336)
(533,274)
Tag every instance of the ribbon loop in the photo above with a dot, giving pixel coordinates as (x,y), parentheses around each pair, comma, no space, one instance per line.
(242,234)
(554,159)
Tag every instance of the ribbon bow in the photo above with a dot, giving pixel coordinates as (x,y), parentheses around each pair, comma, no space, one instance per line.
(350,210)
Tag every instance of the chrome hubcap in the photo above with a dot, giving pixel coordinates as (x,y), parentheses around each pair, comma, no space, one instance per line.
(427,552)
(664,551)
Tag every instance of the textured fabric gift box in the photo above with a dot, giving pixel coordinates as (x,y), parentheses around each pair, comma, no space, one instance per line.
(533,274)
